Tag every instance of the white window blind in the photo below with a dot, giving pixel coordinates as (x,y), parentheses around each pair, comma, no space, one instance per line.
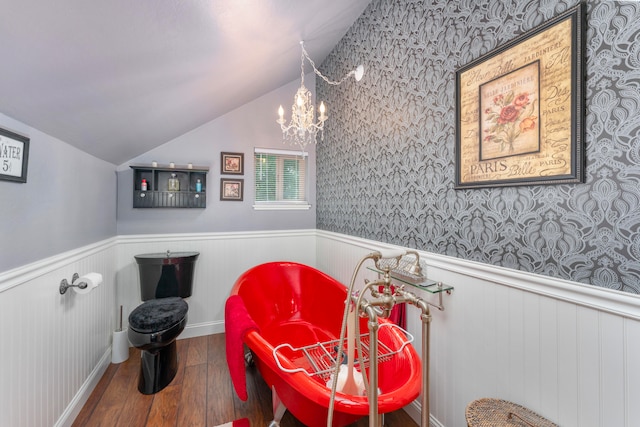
(280,177)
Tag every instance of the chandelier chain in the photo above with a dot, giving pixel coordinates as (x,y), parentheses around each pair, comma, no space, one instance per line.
(315,69)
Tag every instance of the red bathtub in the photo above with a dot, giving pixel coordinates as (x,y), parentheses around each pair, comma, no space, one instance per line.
(299,305)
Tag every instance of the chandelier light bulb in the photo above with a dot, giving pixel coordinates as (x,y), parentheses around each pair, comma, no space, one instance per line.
(359,72)
(322,108)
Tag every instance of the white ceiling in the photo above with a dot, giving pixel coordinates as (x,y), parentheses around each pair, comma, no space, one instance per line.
(116,78)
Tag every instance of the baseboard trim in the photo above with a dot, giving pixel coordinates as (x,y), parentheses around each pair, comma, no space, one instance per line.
(433,422)
(414,411)
(202,329)
(75,406)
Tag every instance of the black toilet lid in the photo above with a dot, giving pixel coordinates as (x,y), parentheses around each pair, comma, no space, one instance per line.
(158,314)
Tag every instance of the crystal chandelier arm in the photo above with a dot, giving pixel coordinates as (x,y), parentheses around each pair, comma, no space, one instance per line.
(302,129)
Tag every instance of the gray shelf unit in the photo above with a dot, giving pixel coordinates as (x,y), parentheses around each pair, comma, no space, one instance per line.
(157,194)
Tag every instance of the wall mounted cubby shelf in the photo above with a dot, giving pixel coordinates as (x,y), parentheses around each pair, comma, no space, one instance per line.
(158,195)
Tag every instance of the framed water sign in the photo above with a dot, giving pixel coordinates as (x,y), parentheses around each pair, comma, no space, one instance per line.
(14,156)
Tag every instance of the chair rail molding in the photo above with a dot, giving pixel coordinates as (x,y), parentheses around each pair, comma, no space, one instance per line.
(608,300)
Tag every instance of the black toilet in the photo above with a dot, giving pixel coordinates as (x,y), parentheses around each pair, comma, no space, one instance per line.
(165,278)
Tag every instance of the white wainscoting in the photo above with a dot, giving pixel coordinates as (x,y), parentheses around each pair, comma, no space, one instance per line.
(54,346)
(223,257)
(568,351)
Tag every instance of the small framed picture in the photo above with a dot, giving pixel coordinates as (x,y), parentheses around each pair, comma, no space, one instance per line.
(14,156)
(231,189)
(231,163)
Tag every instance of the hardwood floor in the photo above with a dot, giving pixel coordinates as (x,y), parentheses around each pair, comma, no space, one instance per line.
(201,394)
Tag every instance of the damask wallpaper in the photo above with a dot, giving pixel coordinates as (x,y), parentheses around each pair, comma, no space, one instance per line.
(386,172)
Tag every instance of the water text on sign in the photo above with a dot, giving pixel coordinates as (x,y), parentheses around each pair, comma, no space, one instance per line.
(11,153)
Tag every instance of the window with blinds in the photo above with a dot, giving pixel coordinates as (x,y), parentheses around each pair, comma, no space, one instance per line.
(280,177)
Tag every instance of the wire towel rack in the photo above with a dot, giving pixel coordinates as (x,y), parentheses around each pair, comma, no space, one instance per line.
(320,359)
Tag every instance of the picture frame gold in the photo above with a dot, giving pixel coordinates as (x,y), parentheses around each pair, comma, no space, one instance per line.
(520,109)
(231,163)
(231,189)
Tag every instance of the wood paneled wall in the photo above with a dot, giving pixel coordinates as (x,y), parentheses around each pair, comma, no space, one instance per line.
(568,351)
(223,257)
(54,347)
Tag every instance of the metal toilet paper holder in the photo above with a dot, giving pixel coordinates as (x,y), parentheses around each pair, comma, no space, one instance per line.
(64,285)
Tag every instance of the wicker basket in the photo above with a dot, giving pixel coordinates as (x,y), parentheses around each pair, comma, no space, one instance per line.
(497,413)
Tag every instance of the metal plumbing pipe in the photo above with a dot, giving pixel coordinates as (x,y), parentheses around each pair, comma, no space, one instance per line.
(373,366)
(375,420)
(425,317)
(332,398)
(426,332)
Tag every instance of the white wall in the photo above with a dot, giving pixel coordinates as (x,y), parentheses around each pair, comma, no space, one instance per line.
(241,130)
(54,348)
(223,257)
(565,350)
(63,220)
(68,201)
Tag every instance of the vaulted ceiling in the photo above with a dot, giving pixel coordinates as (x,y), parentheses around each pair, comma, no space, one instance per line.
(116,78)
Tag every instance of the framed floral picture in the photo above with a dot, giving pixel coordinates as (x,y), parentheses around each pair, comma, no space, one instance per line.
(520,109)
(231,163)
(231,189)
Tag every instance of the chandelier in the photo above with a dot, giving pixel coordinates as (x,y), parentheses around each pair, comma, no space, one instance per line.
(302,129)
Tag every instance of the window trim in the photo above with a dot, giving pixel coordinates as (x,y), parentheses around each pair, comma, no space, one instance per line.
(282,205)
